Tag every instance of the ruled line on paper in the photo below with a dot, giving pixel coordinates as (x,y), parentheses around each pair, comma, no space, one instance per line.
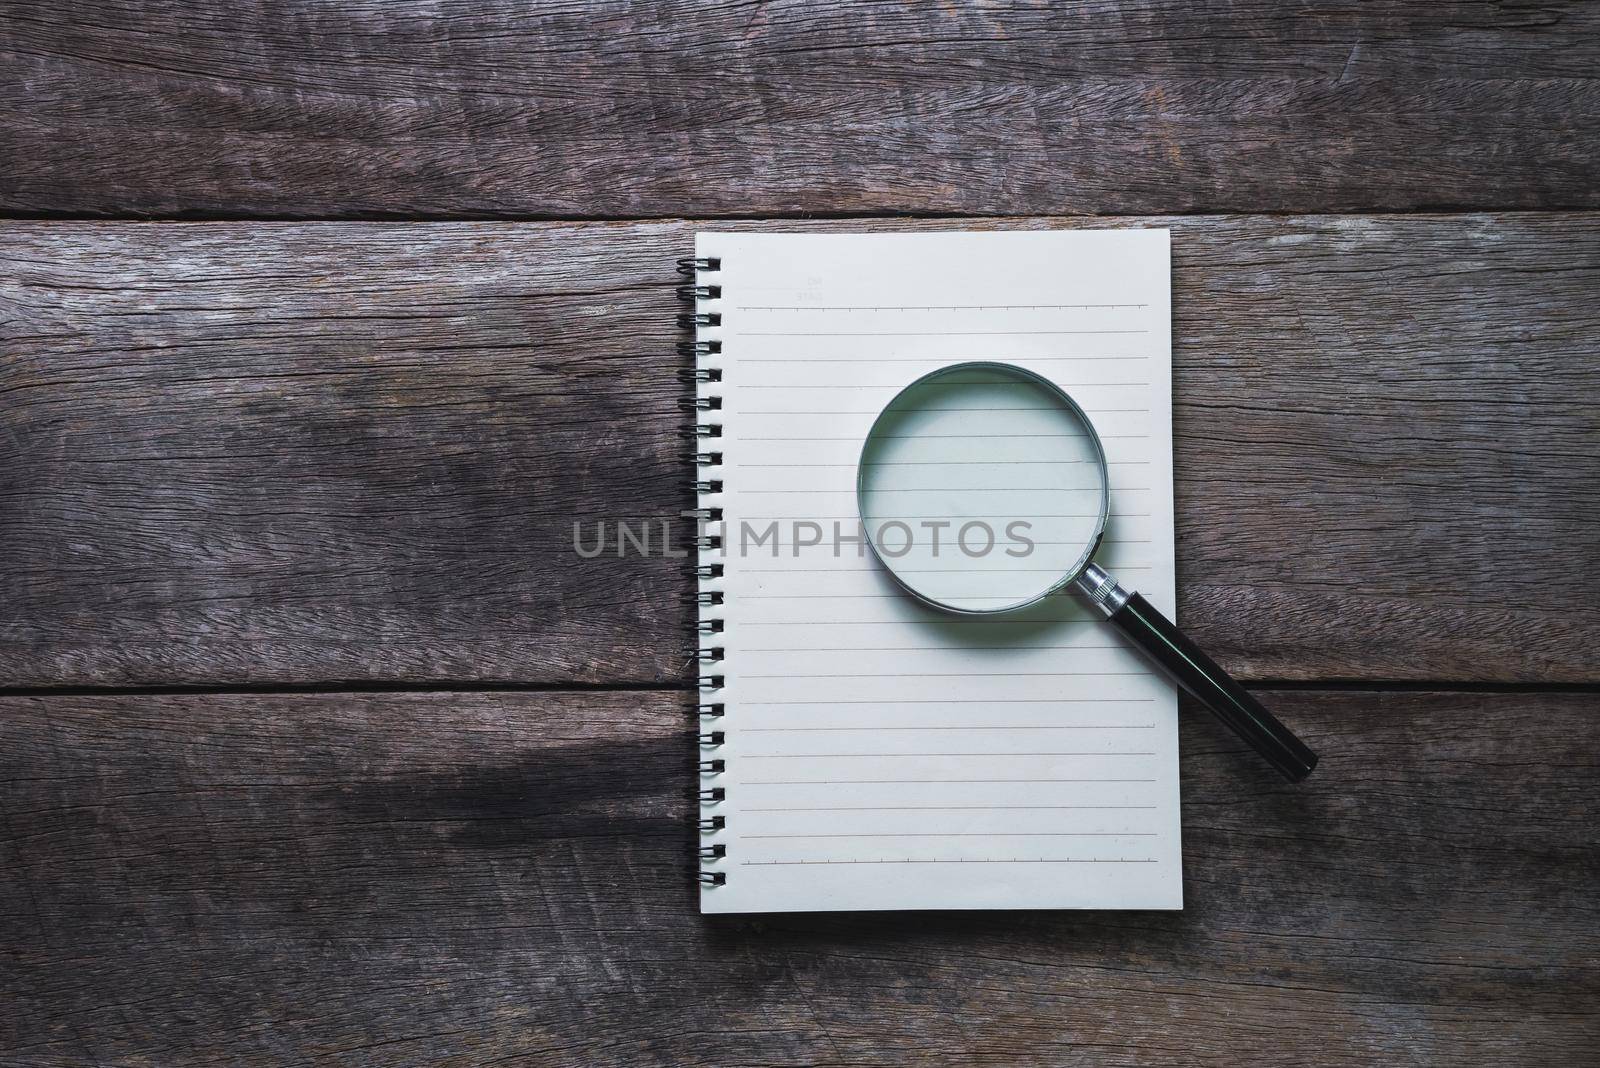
(951,675)
(950,808)
(822,548)
(986,595)
(962,860)
(883,782)
(877,411)
(853,756)
(901,571)
(928,619)
(801,552)
(983,701)
(955,437)
(926,333)
(941,385)
(946,515)
(967,489)
(931,359)
(926,307)
(1008,383)
(913,571)
(945,463)
(870,567)
(984,727)
(927,463)
(893,596)
(964,648)
(969,834)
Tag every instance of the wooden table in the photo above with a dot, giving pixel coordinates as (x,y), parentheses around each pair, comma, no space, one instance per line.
(319,744)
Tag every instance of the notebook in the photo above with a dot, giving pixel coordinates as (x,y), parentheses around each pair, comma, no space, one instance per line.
(860,750)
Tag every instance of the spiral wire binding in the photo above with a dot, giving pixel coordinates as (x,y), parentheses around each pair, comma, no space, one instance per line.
(705,460)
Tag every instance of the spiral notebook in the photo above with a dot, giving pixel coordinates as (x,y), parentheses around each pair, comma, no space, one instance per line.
(860,750)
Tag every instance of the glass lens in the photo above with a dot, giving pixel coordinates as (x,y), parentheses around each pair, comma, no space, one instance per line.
(982,487)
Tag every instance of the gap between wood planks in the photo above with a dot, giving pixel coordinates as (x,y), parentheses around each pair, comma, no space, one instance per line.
(445,686)
(746,217)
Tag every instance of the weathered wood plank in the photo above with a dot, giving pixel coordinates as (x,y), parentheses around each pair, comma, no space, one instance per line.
(311,453)
(492,107)
(458,878)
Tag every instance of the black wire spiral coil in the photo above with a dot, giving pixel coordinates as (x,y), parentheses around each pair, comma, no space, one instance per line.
(705,482)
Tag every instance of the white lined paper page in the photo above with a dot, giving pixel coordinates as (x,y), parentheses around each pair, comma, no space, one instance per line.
(881,754)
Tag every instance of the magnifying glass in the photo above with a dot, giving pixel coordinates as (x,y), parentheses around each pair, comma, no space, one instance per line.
(983,489)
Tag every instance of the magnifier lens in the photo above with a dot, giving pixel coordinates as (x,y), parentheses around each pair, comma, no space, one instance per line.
(982,488)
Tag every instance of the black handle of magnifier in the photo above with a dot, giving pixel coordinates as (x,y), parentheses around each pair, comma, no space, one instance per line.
(1196,672)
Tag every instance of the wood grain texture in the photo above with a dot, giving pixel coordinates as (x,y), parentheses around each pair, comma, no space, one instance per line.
(433,108)
(306,453)
(477,878)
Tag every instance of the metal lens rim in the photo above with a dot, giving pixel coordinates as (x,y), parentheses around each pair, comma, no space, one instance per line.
(1013,371)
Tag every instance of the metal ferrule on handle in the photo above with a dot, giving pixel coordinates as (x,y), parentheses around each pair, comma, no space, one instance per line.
(1100,590)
